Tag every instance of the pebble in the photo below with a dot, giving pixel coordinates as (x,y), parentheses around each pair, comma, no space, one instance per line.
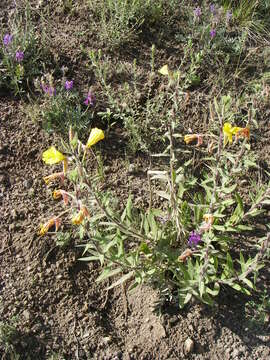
(26,314)
(189,346)
(132,168)
(27,183)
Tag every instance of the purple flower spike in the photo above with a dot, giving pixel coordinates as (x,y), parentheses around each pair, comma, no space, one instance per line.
(7,39)
(212,9)
(69,85)
(90,100)
(229,15)
(19,56)
(197,12)
(194,239)
(213,33)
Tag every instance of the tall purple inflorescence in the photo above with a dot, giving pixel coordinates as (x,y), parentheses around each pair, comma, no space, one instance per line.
(194,239)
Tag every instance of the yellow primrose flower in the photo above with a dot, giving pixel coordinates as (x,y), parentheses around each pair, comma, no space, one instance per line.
(228,133)
(52,156)
(95,136)
(50,223)
(192,137)
(53,177)
(164,70)
(78,219)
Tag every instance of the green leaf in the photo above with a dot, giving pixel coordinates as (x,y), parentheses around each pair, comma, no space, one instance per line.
(106,273)
(214,291)
(122,279)
(248,283)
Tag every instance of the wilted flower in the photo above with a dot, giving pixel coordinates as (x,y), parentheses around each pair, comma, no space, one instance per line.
(197,12)
(53,177)
(7,39)
(213,33)
(78,219)
(241,132)
(192,137)
(50,90)
(194,239)
(95,136)
(208,222)
(90,99)
(187,253)
(57,194)
(19,56)
(69,84)
(50,223)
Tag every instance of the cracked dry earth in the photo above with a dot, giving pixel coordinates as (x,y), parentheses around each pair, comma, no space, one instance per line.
(58,308)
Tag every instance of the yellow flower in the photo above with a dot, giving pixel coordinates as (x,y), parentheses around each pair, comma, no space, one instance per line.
(78,219)
(164,70)
(95,136)
(228,133)
(52,156)
(192,137)
(54,176)
(50,223)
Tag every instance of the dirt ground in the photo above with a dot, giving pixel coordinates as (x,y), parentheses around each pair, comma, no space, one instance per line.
(57,308)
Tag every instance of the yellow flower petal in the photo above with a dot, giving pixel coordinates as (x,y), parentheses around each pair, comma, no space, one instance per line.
(52,156)
(228,133)
(164,70)
(95,136)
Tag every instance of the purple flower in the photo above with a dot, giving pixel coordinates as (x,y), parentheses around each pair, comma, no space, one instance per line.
(213,33)
(7,39)
(228,15)
(69,85)
(212,9)
(194,239)
(19,56)
(197,12)
(90,99)
(50,90)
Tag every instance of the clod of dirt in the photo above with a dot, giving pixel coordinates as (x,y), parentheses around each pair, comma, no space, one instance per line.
(189,346)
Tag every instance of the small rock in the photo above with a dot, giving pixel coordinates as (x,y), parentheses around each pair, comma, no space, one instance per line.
(173,320)
(14,214)
(132,168)
(31,192)
(189,346)
(11,227)
(27,183)
(26,315)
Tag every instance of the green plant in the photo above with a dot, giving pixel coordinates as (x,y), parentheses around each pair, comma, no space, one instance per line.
(60,107)
(120,21)
(258,312)
(187,247)
(22,55)
(9,337)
